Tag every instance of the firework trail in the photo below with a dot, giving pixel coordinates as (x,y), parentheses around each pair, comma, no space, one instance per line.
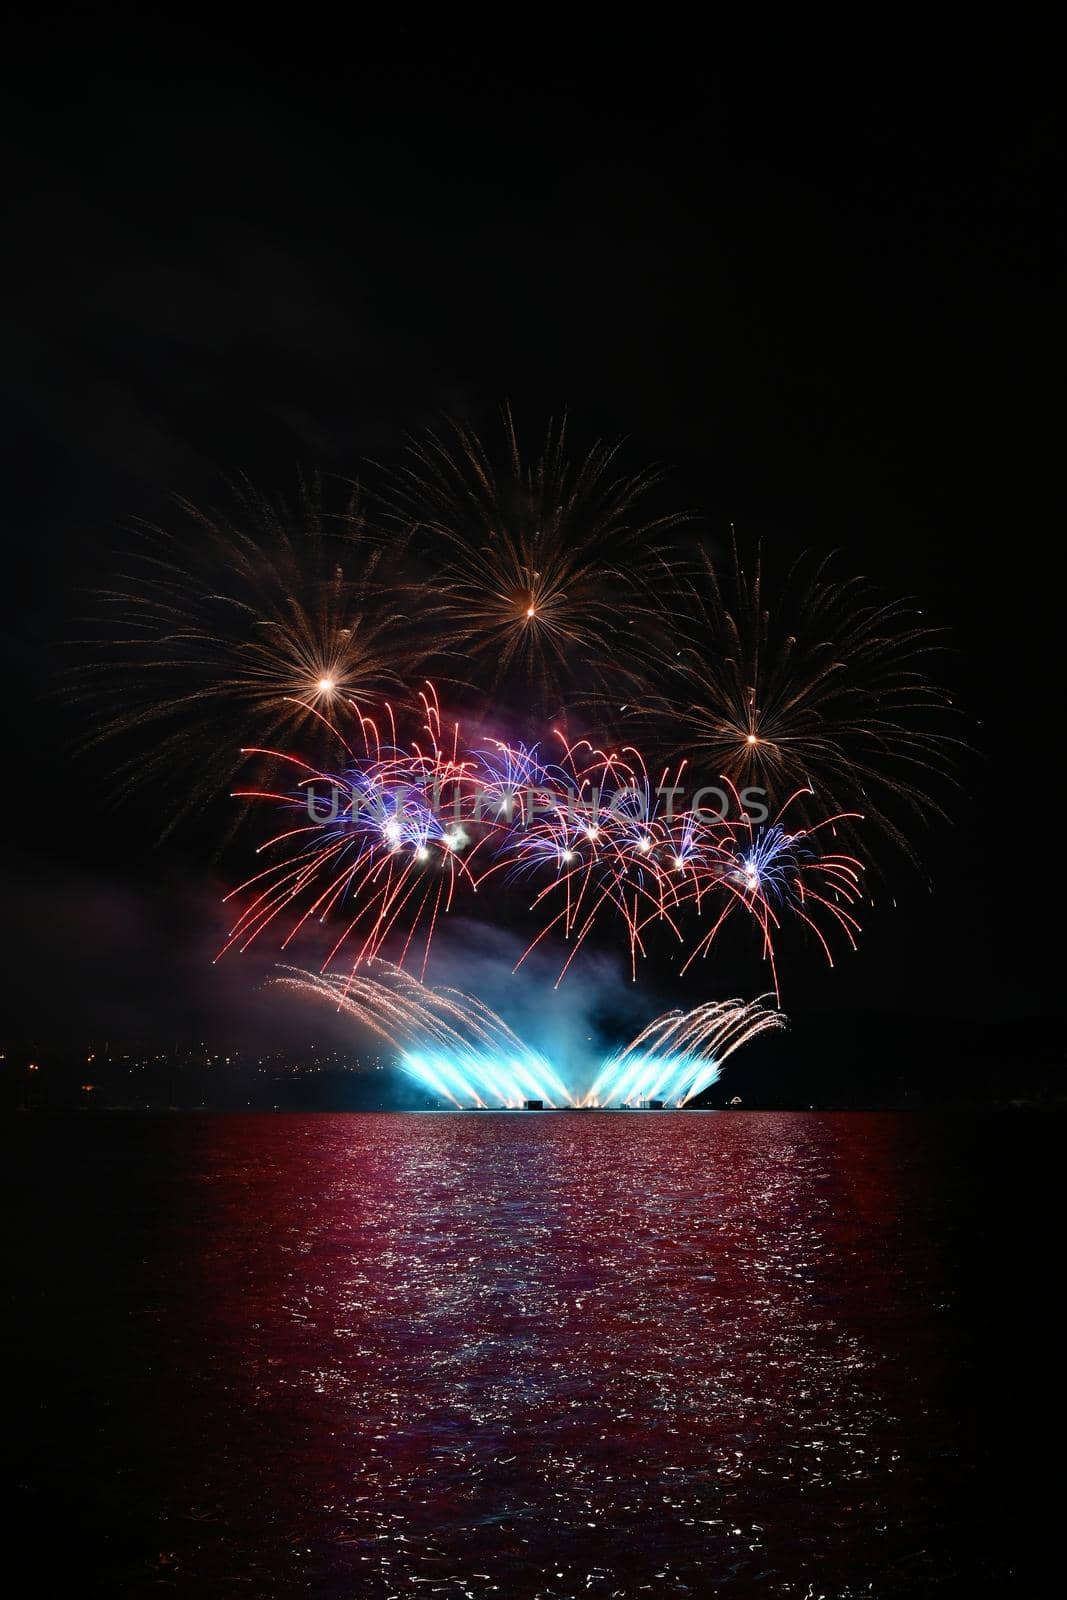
(681,1054)
(460,1049)
(591,837)
(449,1042)
(821,686)
(604,842)
(594,832)
(772,873)
(539,562)
(368,845)
(260,614)
(549,578)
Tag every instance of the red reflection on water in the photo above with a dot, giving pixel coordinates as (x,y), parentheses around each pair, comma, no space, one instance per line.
(558,1351)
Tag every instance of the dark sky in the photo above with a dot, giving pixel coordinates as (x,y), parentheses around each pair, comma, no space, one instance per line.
(830,307)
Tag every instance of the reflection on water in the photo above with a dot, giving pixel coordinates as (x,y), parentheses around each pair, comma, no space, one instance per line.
(508,1355)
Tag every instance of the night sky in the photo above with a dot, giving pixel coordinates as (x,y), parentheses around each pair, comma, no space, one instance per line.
(829,307)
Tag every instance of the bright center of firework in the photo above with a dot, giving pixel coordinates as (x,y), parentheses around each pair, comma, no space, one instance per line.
(421,853)
(752,739)
(644,845)
(751,881)
(679,864)
(568,855)
(530,612)
(392,831)
(326,685)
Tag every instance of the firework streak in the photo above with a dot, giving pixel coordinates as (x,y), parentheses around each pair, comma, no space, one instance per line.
(681,1054)
(816,684)
(387,846)
(464,1053)
(538,560)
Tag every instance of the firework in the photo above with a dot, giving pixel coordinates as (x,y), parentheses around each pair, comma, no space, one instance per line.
(604,843)
(593,831)
(771,872)
(457,1047)
(449,1042)
(821,686)
(258,615)
(539,562)
(368,845)
(590,838)
(681,1054)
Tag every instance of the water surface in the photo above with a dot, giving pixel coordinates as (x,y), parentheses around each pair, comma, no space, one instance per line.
(555,1355)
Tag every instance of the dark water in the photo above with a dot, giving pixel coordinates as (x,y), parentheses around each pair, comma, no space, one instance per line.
(595,1355)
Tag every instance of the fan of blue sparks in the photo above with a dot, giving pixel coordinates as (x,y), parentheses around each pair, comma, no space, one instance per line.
(465,1055)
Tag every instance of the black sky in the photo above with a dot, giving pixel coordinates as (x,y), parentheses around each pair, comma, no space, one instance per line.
(829,304)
